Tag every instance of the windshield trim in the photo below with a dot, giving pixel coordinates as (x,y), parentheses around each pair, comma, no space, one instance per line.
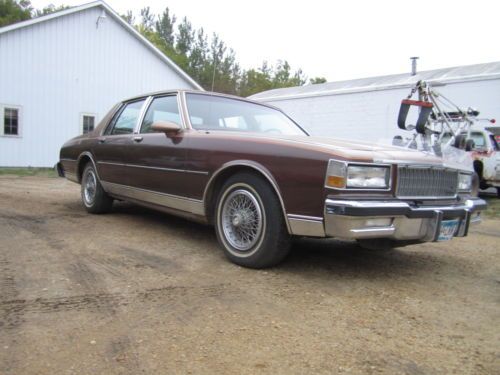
(229,97)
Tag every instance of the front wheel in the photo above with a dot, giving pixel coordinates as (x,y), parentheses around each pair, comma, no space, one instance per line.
(249,222)
(94,197)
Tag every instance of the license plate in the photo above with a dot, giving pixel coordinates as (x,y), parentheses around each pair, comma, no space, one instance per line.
(448,230)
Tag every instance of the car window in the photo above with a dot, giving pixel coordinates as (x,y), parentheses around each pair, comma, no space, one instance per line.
(125,120)
(234,122)
(164,108)
(271,124)
(212,112)
(479,141)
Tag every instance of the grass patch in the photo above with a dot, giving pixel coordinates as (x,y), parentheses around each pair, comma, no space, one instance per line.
(25,172)
(493,210)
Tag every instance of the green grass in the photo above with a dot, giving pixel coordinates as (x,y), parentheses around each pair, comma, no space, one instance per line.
(493,210)
(25,172)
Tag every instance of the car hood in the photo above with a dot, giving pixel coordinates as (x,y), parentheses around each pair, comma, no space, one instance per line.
(349,149)
(385,153)
(366,152)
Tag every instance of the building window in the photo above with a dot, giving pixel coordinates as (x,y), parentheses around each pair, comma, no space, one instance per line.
(87,123)
(10,120)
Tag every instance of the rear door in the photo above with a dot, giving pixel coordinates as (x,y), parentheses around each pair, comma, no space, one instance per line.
(113,146)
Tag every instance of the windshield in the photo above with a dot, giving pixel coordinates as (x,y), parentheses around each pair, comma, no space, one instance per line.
(208,112)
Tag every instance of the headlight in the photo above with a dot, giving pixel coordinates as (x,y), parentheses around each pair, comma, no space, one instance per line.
(464,182)
(340,175)
(368,177)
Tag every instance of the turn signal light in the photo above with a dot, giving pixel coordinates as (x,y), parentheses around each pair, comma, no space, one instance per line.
(335,181)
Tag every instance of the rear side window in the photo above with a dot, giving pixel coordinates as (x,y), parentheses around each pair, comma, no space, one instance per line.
(125,120)
(164,108)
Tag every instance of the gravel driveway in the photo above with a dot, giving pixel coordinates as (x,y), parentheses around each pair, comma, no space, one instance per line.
(140,292)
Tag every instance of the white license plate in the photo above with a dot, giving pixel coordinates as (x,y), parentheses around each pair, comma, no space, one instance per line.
(448,230)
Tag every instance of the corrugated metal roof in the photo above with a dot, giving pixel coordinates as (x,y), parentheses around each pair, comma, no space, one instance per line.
(446,75)
(117,18)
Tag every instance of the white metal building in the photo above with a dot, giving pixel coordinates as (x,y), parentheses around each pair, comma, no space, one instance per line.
(61,73)
(367,108)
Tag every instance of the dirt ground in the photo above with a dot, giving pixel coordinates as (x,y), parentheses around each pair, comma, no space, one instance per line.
(140,292)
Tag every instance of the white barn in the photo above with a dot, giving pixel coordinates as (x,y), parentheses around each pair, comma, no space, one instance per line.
(367,108)
(61,73)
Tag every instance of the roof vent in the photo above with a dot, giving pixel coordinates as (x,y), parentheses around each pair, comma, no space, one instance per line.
(414,65)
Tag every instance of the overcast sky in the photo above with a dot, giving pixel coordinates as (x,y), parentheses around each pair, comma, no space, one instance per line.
(342,39)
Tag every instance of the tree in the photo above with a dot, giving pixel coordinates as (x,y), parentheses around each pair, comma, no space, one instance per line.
(14,11)
(129,17)
(268,78)
(165,27)
(49,9)
(316,80)
(147,20)
(185,37)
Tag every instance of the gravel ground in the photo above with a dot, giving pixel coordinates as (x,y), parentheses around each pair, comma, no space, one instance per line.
(139,292)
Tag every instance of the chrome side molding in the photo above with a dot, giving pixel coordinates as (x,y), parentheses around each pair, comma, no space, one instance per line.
(176,202)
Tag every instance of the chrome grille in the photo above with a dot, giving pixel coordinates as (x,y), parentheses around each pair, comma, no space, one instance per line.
(416,182)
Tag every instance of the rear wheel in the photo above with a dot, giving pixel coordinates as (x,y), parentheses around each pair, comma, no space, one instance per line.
(94,197)
(249,222)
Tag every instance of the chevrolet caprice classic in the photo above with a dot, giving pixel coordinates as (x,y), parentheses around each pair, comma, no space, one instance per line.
(259,178)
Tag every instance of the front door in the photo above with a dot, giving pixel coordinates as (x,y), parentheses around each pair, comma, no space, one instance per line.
(156,162)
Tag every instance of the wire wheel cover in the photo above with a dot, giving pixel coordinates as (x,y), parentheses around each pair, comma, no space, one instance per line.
(241,220)
(90,187)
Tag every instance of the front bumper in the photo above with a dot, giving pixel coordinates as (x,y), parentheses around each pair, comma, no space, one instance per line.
(397,220)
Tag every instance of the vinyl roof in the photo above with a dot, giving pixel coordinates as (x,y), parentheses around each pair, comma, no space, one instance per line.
(117,18)
(446,75)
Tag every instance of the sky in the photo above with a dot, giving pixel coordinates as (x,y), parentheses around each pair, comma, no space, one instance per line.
(341,40)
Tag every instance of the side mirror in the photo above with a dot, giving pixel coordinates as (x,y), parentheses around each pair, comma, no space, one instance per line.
(167,127)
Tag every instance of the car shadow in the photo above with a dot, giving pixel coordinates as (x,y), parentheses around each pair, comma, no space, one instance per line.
(345,258)
(183,227)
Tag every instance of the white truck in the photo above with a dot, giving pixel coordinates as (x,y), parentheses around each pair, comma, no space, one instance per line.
(486,155)
(483,147)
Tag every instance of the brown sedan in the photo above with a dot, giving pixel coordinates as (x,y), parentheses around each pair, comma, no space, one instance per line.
(260,179)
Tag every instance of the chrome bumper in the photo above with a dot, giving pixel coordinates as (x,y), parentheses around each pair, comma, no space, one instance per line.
(397,220)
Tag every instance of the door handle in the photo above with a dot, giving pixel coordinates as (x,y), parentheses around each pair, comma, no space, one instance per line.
(137,139)
(101,139)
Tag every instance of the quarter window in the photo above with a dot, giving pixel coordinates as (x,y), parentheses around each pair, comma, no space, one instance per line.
(88,123)
(125,120)
(164,108)
(10,121)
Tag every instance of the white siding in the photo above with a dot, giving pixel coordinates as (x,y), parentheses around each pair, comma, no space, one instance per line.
(57,69)
(372,115)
